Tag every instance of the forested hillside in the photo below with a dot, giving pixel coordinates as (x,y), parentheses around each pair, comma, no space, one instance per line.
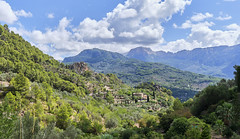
(133,72)
(42,98)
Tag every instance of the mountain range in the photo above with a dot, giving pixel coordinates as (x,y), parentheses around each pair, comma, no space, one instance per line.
(133,71)
(214,61)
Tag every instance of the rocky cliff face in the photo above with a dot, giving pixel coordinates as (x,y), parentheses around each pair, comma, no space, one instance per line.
(79,67)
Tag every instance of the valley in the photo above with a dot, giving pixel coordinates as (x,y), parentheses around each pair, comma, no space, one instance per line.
(134,72)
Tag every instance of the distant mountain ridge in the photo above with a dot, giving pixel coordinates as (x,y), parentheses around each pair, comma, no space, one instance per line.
(94,55)
(214,61)
(133,71)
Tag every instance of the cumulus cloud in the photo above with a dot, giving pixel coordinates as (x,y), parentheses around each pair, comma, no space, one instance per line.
(6,13)
(200,17)
(181,44)
(134,23)
(139,21)
(61,42)
(233,27)
(203,36)
(127,13)
(50,15)
(209,37)
(224,17)
(9,16)
(91,30)
(23,13)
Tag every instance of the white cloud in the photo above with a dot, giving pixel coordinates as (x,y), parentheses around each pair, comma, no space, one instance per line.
(203,36)
(209,37)
(9,16)
(224,17)
(200,17)
(126,34)
(23,13)
(139,21)
(233,27)
(181,44)
(50,15)
(196,19)
(134,23)
(129,25)
(188,24)
(92,30)
(128,13)
(6,13)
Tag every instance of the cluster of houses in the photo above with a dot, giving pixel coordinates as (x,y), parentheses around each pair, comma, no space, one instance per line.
(121,99)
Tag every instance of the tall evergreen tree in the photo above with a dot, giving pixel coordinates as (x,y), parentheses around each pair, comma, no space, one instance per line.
(237,77)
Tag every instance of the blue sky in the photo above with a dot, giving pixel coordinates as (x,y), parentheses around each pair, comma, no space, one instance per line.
(65,28)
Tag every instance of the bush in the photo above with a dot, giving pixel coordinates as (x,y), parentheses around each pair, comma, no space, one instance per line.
(111,123)
(227,132)
(206,132)
(106,136)
(126,134)
(178,127)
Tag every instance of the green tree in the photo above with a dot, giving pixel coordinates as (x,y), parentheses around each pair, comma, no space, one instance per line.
(85,124)
(219,126)
(210,96)
(206,132)
(225,112)
(71,133)
(48,132)
(21,83)
(10,102)
(38,92)
(193,133)
(38,109)
(63,117)
(178,127)
(177,105)
(27,127)
(6,27)
(237,77)
(126,134)
(49,94)
(109,98)
(111,123)
(7,122)
(166,120)
(97,128)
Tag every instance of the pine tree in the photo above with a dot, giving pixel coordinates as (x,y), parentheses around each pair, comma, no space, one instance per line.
(237,77)
(63,117)
(21,84)
(206,133)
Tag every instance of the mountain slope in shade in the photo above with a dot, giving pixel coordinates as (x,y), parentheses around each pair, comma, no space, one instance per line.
(94,55)
(214,61)
(133,71)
